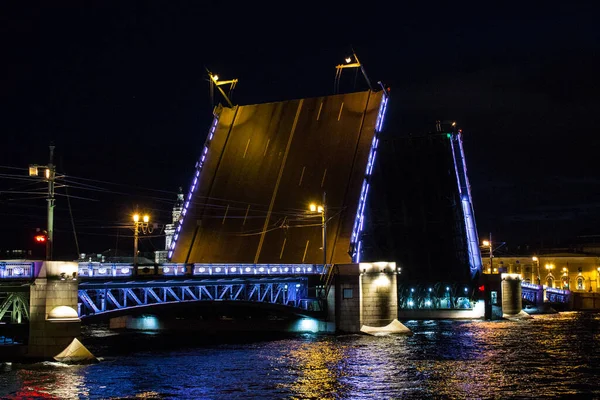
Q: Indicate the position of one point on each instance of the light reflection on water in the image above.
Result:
(550, 356)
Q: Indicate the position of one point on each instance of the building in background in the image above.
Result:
(572, 271)
(160, 256)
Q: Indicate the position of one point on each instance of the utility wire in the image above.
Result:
(72, 220)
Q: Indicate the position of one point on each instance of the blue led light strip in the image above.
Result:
(194, 185)
(355, 242)
(464, 191)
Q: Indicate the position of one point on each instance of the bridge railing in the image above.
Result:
(104, 270)
(555, 295)
(114, 270)
(16, 270)
(257, 269)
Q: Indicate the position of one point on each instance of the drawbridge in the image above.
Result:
(262, 166)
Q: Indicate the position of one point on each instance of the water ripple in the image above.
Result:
(546, 357)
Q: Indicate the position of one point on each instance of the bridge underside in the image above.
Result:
(261, 167)
(418, 213)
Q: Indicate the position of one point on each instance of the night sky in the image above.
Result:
(121, 89)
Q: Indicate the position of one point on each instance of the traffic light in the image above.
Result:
(40, 238)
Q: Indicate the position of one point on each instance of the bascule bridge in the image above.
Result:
(301, 206)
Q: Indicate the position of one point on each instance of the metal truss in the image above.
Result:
(434, 296)
(96, 298)
(14, 307)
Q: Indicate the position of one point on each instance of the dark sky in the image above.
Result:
(121, 88)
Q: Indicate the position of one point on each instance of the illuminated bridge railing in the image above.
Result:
(105, 270)
(16, 270)
(529, 291)
(257, 269)
(557, 295)
(119, 270)
(97, 298)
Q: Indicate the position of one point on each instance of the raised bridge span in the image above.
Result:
(261, 167)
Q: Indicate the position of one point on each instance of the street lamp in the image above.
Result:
(49, 176)
(322, 209)
(537, 262)
(565, 277)
(137, 226)
(488, 243)
(549, 268)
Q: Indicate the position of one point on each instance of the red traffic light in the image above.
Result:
(481, 288)
(40, 238)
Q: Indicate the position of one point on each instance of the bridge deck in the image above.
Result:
(261, 167)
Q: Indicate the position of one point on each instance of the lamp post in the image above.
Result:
(597, 279)
(50, 175)
(322, 209)
(549, 268)
(488, 243)
(137, 226)
(537, 262)
(565, 277)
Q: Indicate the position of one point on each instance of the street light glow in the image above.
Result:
(486, 243)
(534, 258)
(136, 217)
(348, 59)
(320, 209)
(146, 218)
(312, 207)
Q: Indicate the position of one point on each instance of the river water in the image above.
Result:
(550, 356)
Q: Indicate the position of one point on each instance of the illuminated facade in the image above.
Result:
(575, 272)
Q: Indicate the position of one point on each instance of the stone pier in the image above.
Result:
(363, 294)
(54, 322)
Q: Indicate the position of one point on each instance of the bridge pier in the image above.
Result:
(53, 320)
(363, 294)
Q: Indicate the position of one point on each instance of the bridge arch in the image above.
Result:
(111, 297)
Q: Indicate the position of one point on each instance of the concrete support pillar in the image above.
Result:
(379, 295)
(363, 294)
(512, 300)
(53, 322)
